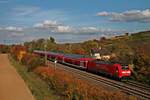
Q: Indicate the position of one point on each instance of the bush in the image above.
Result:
(16, 51)
(4, 49)
(32, 61)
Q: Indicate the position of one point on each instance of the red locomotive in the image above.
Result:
(89, 64)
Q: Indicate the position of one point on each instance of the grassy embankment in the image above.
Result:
(38, 87)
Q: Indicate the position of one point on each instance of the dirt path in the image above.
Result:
(12, 86)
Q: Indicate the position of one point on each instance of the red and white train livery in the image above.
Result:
(89, 64)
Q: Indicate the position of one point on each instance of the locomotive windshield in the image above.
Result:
(124, 67)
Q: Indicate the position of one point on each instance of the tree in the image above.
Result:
(52, 40)
(126, 34)
(102, 38)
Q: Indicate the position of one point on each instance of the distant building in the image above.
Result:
(100, 53)
(125, 36)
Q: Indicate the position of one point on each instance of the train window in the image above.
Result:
(99, 62)
(102, 62)
(74, 56)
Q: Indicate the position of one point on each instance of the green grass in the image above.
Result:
(141, 36)
(37, 86)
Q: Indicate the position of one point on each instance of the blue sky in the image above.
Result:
(71, 20)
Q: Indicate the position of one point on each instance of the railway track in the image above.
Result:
(139, 85)
(131, 88)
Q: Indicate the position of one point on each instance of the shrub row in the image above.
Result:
(32, 61)
(72, 88)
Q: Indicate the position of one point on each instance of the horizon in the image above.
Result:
(22, 43)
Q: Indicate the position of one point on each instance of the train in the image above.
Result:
(115, 70)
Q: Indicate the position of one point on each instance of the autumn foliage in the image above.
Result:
(32, 61)
(72, 88)
(16, 51)
(80, 51)
(20, 53)
(4, 48)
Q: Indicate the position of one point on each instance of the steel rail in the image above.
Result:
(139, 85)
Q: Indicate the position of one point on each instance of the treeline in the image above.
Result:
(77, 48)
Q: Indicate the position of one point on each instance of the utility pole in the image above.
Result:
(45, 47)
(55, 62)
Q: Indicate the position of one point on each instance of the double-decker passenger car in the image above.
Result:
(89, 64)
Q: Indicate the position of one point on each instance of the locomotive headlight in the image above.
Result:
(124, 72)
(128, 72)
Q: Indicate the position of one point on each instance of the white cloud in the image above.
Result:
(104, 13)
(50, 22)
(54, 25)
(38, 25)
(88, 29)
(63, 29)
(57, 27)
(13, 29)
(128, 16)
(97, 30)
(47, 24)
(11, 34)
